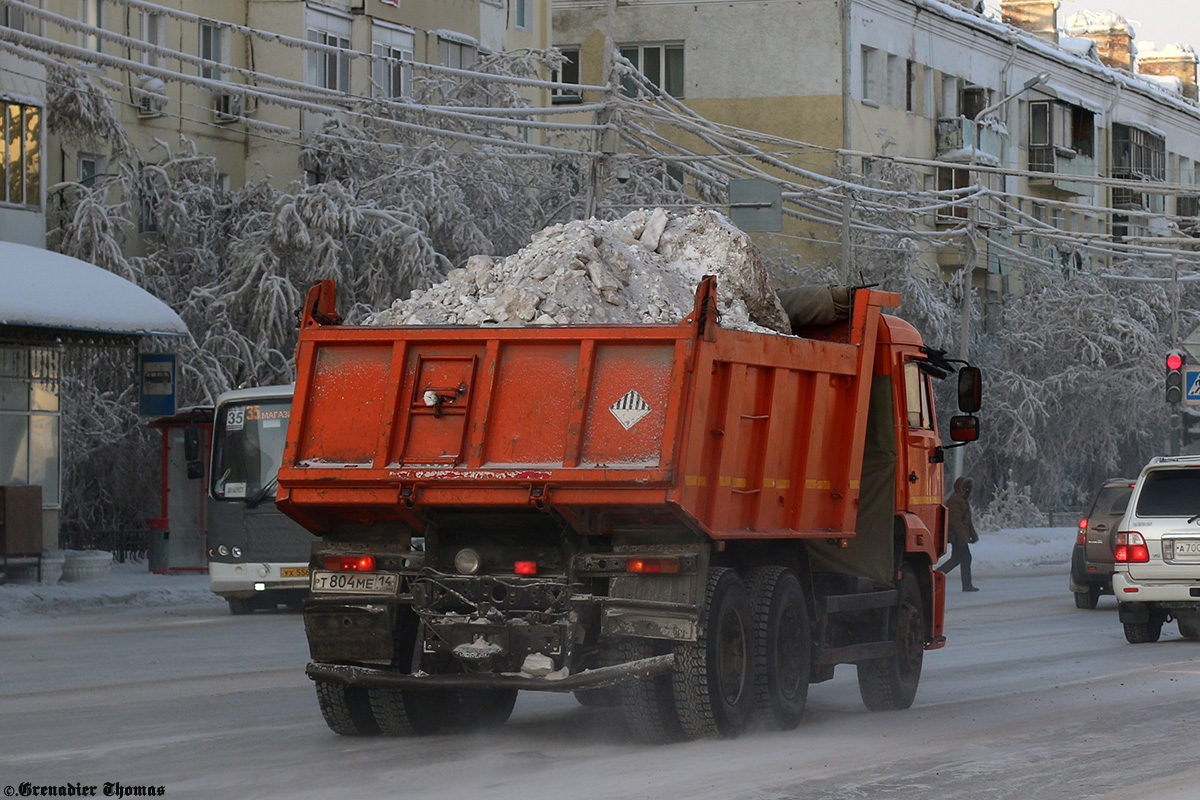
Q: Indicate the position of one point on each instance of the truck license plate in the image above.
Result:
(355, 582)
(1186, 549)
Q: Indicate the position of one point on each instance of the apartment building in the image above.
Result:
(227, 48)
(1061, 105)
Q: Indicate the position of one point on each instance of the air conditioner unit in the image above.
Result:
(228, 107)
(149, 107)
(150, 98)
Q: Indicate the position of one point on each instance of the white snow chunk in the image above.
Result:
(643, 268)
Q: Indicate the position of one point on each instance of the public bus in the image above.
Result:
(257, 557)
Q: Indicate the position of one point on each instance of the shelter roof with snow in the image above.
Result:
(49, 294)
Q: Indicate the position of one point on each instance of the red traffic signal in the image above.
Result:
(1175, 361)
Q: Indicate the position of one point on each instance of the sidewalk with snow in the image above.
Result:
(1000, 554)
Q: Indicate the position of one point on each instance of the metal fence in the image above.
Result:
(125, 544)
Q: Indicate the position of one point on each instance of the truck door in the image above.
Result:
(921, 477)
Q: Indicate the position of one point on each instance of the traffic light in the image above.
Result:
(1176, 359)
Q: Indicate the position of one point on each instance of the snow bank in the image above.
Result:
(127, 586)
(1021, 552)
(642, 268)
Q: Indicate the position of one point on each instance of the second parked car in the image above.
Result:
(1092, 556)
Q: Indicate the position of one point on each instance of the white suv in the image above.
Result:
(1156, 570)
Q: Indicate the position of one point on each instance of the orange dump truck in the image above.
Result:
(689, 522)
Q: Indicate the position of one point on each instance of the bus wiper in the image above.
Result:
(261, 494)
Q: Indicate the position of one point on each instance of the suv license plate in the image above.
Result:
(355, 582)
(1184, 549)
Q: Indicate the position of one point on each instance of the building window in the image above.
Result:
(325, 69)
(523, 14)
(152, 34)
(29, 419)
(93, 15)
(1137, 155)
(391, 67)
(661, 64)
(212, 48)
(12, 18)
(974, 99)
(89, 168)
(20, 158)
(568, 72)
(910, 87)
(869, 58)
(1058, 129)
(950, 179)
(456, 54)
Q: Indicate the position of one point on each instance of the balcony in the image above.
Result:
(956, 141)
(1063, 163)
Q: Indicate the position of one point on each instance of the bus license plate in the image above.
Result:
(356, 582)
(293, 572)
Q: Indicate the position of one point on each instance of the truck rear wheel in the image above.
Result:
(713, 676)
(890, 683)
(782, 644)
(401, 712)
(346, 709)
(648, 704)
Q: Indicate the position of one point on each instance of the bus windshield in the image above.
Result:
(248, 441)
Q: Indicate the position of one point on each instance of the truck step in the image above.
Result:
(853, 653)
(838, 603)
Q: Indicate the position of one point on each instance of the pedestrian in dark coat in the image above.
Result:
(962, 531)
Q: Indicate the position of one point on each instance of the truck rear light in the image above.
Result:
(664, 564)
(525, 568)
(349, 563)
(468, 561)
(1131, 549)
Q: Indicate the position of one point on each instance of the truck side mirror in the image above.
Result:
(964, 428)
(970, 390)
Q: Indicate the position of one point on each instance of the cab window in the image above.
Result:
(916, 397)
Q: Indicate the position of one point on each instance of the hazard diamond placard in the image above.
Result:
(630, 409)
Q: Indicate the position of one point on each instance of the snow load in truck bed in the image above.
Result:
(642, 268)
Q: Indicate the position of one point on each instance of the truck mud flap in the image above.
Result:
(372, 678)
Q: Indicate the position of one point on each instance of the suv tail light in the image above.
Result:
(1131, 549)
(1081, 537)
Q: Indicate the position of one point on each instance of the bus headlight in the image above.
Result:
(237, 552)
(223, 550)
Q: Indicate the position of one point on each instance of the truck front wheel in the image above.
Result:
(783, 649)
(713, 676)
(346, 709)
(890, 683)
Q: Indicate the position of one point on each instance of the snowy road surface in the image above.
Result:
(1032, 698)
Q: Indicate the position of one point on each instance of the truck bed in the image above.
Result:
(730, 433)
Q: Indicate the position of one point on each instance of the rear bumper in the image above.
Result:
(373, 678)
(1128, 590)
(242, 580)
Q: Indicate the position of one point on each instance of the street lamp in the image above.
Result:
(972, 228)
